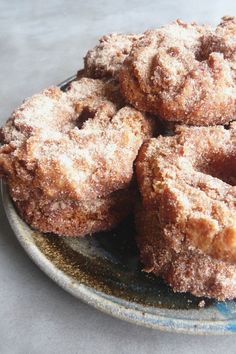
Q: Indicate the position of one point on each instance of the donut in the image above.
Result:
(184, 73)
(68, 157)
(74, 218)
(186, 220)
(183, 268)
(107, 57)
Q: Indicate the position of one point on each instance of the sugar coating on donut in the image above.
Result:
(47, 112)
(76, 144)
(68, 217)
(107, 57)
(188, 188)
(190, 178)
(184, 73)
(182, 266)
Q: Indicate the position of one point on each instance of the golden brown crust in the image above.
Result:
(75, 218)
(184, 73)
(77, 143)
(188, 211)
(76, 146)
(183, 267)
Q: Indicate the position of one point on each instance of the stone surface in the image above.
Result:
(42, 43)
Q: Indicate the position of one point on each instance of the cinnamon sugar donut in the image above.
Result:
(70, 217)
(184, 73)
(107, 57)
(187, 219)
(68, 156)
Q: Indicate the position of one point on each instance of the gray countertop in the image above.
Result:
(42, 43)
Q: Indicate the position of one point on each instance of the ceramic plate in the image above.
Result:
(103, 270)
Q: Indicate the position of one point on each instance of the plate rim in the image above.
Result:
(99, 299)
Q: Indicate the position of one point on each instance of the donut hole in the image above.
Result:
(201, 55)
(213, 45)
(86, 114)
(221, 166)
(204, 53)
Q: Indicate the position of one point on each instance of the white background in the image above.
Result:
(41, 43)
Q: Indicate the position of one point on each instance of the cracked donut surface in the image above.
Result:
(186, 220)
(106, 59)
(184, 73)
(71, 154)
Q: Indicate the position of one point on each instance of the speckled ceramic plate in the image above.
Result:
(104, 271)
